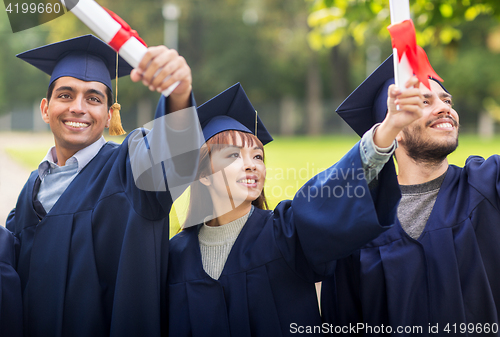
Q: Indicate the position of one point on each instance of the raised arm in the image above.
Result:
(165, 158)
(336, 213)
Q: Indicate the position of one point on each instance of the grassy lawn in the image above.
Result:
(291, 162)
(28, 157)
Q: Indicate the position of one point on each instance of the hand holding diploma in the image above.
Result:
(403, 108)
(162, 68)
(118, 34)
(409, 58)
(411, 67)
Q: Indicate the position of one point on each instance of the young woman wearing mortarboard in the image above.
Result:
(238, 269)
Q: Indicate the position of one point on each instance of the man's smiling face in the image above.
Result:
(435, 135)
(77, 112)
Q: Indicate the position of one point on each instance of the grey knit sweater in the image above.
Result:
(417, 202)
(216, 243)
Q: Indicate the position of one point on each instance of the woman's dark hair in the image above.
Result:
(200, 201)
(109, 94)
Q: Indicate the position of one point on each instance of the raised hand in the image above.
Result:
(159, 69)
(403, 108)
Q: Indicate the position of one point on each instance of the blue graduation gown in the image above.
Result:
(267, 284)
(450, 275)
(96, 264)
(11, 307)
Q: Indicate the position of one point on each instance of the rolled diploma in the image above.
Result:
(102, 24)
(400, 11)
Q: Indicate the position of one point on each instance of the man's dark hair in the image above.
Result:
(109, 93)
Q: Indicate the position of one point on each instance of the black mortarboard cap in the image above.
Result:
(86, 58)
(367, 105)
(231, 110)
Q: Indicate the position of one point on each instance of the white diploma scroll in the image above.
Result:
(104, 26)
(400, 11)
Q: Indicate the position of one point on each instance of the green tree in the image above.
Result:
(27, 85)
(461, 36)
(436, 21)
(260, 43)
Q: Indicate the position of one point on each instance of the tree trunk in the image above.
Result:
(38, 123)
(144, 112)
(6, 122)
(314, 98)
(288, 116)
(340, 74)
(486, 126)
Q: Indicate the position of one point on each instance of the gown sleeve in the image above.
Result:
(10, 287)
(334, 214)
(484, 176)
(165, 158)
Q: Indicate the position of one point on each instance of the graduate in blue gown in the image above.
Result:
(92, 221)
(436, 272)
(238, 269)
(11, 309)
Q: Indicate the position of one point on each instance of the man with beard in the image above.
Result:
(436, 271)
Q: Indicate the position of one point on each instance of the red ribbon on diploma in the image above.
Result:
(405, 41)
(123, 34)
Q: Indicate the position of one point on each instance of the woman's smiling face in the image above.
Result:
(238, 173)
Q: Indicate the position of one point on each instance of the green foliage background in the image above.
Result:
(272, 46)
(461, 37)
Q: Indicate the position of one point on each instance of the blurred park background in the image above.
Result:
(296, 59)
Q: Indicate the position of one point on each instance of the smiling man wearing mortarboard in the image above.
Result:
(93, 245)
(437, 268)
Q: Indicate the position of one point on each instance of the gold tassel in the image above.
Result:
(115, 126)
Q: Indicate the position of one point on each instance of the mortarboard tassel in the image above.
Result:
(115, 126)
